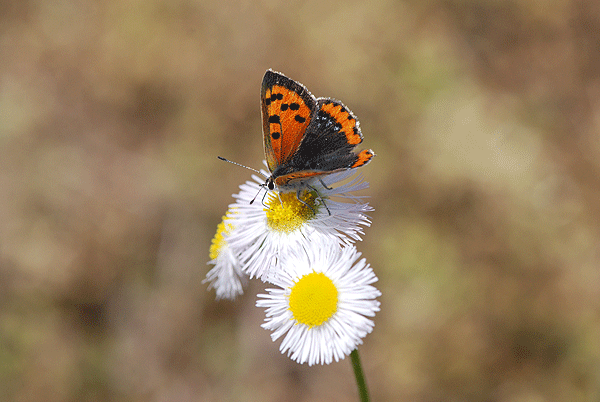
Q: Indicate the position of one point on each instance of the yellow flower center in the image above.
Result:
(290, 213)
(313, 299)
(218, 242)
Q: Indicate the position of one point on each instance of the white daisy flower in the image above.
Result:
(322, 305)
(226, 277)
(280, 222)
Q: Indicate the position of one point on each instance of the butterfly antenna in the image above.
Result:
(247, 167)
(239, 164)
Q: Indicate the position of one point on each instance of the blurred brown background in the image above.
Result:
(485, 117)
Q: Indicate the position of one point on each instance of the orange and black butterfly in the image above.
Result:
(306, 137)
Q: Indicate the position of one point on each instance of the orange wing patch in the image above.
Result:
(303, 174)
(346, 120)
(286, 121)
(364, 157)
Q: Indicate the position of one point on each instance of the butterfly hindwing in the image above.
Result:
(287, 109)
(330, 139)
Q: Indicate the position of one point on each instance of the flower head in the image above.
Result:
(282, 222)
(322, 304)
(226, 277)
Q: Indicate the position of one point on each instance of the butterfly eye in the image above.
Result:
(271, 185)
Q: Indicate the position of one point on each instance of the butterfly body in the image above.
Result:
(306, 137)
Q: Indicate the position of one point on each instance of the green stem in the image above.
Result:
(360, 376)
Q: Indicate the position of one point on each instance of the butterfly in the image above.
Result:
(306, 137)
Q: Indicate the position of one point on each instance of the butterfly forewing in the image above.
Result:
(342, 118)
(287, 109)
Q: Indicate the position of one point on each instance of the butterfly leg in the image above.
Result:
(278, 196)
(318, 194)
(325, 185)
(263, 199)
(264, 195)
(298, 192)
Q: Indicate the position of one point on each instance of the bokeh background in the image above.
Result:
(485, 117)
